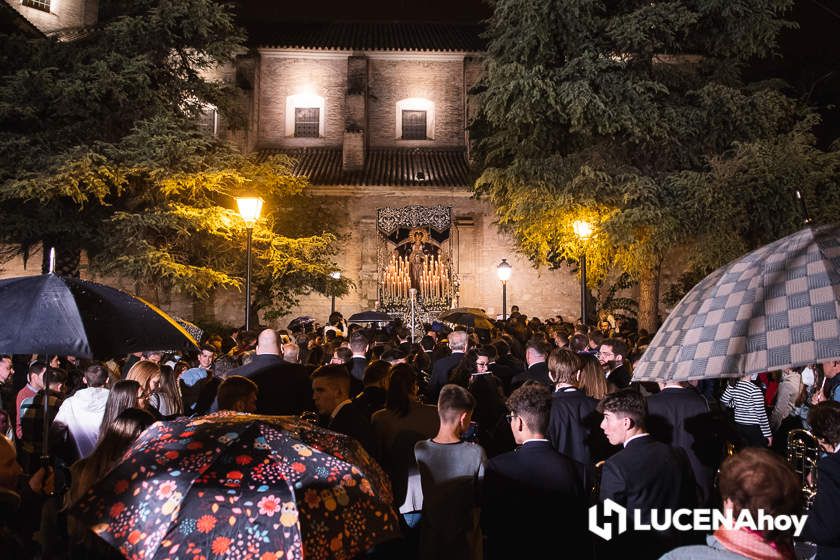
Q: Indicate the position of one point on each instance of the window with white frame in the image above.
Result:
(305, 116)
(415, 119)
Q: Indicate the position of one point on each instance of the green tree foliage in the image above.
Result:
(103, 151)
(633, 115)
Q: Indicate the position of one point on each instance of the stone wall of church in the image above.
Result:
(438, 81)
(64, 15)
(284, 76)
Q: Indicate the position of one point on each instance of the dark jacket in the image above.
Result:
(573, 427)
(351, 421)
(680, 417)
(358, 367)
(440, 374)
(520, 514)
(821, 527)
(645, 475)
(284, 388)
(371, 399)
(620, 376)
(536, 372)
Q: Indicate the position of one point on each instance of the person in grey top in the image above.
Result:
(451, 472)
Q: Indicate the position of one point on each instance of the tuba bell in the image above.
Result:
(803, 452)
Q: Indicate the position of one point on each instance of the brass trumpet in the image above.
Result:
(803, 452)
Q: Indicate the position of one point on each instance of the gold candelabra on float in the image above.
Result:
(432, 280)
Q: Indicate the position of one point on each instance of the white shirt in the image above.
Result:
(628, 440)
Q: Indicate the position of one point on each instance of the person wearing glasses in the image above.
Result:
(522, 488)
(611, 354)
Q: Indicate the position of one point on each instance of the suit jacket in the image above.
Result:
(620, 376)
(371, 399)
(505, 373)
(680, 417)
(573, 427)
(520, 513)
(440, 374)
(537, 372)
(352, 421)
(358, 367)
(822, 527)
(284, 387)
(648, 474)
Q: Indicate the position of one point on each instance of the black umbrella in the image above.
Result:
(370, 317)
(468, 316)
(300, 322)
(50, 314)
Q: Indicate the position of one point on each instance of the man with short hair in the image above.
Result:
(291, 353)
(238, 394)
(821, 526)
(201, 372)
(6, 372)
(531, 481)
(611, 354)
(444, 366)
(645, 475)
(394, 356)
(82, 412)
(34, 383)
(451, 472)
(331, 393)
(284, 387)
(359, 346)
(536, 353)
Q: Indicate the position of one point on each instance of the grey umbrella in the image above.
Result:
(773, 308)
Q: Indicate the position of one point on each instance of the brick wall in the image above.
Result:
(63, 14)
(281, 77)
(439, 81)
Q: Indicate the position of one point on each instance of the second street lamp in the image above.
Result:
(335, 276)
(250, 209)
(503, 271)
(583, 230)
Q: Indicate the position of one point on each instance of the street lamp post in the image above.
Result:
(503, 271)
(250, 209)
(336, 275)
(583, 230)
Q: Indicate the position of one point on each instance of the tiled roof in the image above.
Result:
(390, 36)
(383, 166)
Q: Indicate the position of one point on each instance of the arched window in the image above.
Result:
(415, 119)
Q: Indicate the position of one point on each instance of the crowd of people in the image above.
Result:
(495, 442)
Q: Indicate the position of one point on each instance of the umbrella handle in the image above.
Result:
(45, 441)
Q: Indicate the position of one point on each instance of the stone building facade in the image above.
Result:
(391, 104)
(376, 115)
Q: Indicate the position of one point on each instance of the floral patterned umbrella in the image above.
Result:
(241, 486)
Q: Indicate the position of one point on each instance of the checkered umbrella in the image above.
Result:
(776, 307)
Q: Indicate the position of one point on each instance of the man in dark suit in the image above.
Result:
(359, 345)
(821, 527)
(331, 392)
(680, 417)
(573, 421)
(284, 387)
(611, 354)
(523, 488)
(536, 353)
(443, 366)
(646, 474)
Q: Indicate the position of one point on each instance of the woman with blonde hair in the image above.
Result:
(592, 380)
(166, 399)
(147, 374)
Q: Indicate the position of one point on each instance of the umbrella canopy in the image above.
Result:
(194, 330)
(300, 322)
(370, 317)
(67, 316)
(240, 485)
(773, 308)
(469, 316)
